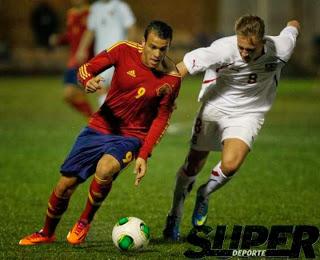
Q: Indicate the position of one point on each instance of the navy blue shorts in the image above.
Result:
(70, 76)
(91, 145)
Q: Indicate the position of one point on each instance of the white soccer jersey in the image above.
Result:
(110, 21)
(233, 86)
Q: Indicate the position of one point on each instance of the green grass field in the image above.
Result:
(278, 184)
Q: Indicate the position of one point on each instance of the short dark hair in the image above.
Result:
(250, 25)
(163, 30)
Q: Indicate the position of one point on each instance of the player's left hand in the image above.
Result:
(140, 170)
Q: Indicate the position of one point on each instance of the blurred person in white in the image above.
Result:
(76, 23)
(241, 77)
(109, 21)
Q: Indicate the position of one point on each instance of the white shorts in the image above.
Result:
(107, 75)
(212, 127)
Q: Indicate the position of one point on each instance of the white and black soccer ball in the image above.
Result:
(130, 233)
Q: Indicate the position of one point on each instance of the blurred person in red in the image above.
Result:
(74, 94)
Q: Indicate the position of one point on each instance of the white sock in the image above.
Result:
(217, 180)
(101, 99)
(183, 187)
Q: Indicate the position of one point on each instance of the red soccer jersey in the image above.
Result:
(76, 26)
(139, 102)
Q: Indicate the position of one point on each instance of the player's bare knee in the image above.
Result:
(107, 167)
(104, 172)
(67, 99)
(230, 167)
(64, 190)
(68, 95)
(66, 186)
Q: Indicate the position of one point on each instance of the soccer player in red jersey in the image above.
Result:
(131, 121)
(76, 26)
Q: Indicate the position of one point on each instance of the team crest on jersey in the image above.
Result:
(132, 73)
(164, 89)
(270, 66)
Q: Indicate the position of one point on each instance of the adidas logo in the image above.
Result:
(132, 73)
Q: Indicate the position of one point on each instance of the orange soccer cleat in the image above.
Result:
(36, 238)
(78, 233)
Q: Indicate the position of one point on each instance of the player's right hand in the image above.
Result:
(140, 170)
(94, 84)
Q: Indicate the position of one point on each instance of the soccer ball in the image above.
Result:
(130, 233)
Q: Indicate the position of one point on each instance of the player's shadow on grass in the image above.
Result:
(162, 241)
(103, 246)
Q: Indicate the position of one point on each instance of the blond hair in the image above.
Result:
(250, 25)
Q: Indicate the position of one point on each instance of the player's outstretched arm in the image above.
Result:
(140, 170)
(182, 69)
(94, 84)
(294, 23)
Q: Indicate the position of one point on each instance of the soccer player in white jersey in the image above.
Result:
(109, 21)
(241, 76)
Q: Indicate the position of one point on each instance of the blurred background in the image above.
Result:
(195, 23)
